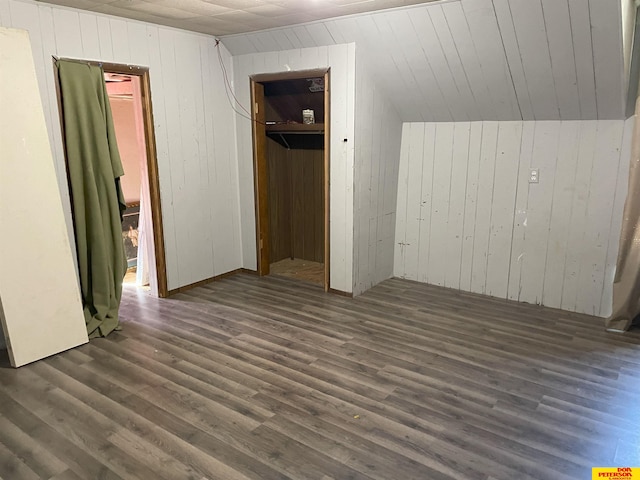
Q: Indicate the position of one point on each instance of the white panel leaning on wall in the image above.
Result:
(552, 243)
(41, 311)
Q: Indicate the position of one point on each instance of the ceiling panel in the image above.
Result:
(223, 17)
(158, 10)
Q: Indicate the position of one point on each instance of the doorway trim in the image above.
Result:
(261, 184)
(152, 160)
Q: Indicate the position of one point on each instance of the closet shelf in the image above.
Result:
(296, 128)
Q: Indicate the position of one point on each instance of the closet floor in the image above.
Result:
(299, 269)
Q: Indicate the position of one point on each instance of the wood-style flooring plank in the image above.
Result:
(67, 475)
(36, 457)
(79, 460)
(252, 378)
(12, 466)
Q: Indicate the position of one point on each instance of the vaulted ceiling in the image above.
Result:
(448, 60)
(480, 59)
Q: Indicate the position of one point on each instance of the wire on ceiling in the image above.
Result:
(229, 91)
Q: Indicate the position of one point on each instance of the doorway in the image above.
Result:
(126, 109)
(129, 92)
(291, 171)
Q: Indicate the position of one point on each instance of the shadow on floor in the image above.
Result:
(4, 359)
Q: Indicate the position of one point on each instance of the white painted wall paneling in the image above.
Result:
(442, 167)
(520, 210)
(502, 207)
(400, 235)
(599, 212)
(578, 222)
(193, 124)
(483, 26)
(540, 198)
(528, 21)
(470, 204)
(584, 60)
(628, 14)
(565, 176)
(608, 62)
(422, 211)
(5, 12)
(341, 60)
(457, 199)
(480, 59)
(377, 150)
(484, 201)
(561, 48)
(554, 242)
(622, 187)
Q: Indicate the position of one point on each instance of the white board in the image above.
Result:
(41, 310)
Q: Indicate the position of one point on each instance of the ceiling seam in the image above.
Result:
(466, 75)
(575, 61)
(506, 59)
(546, 34)
(593, 60)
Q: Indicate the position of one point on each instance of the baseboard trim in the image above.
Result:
(234, 272)
(205, 281)
(341, 293)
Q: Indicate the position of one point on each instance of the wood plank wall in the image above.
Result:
(279, 172)
(377, 153)
(469, 219)
(296, 199)
(307, 168)
(341, 60)
(193, 124)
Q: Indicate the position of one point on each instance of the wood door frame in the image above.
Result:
(152, 159)
(260, 175)
(261, 184)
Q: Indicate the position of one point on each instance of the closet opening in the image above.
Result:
(291, 171)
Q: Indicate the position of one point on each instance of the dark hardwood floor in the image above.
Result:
(266, 378)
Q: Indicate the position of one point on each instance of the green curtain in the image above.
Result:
(94, 168)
